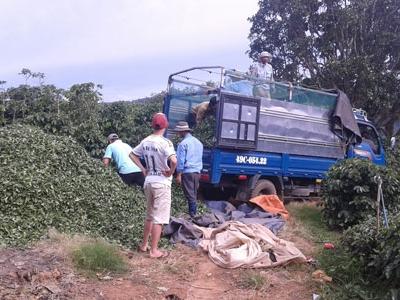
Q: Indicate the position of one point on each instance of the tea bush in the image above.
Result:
(350, 190)
(377, 251)
(361, 240)
(385, 260)
(51, 181)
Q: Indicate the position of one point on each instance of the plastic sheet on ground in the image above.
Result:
(181, 230)
(245, 213)
(235, 244)
(272, 204)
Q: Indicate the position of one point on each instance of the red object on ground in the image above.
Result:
(329, 246)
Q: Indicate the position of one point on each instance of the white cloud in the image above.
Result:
(51, 34)
(130, 46)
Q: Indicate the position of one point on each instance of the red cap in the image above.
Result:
(159, 121)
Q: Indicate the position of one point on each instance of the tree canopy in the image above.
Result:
(352, 45)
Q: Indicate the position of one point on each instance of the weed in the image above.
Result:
(98, 256)
(251, 280)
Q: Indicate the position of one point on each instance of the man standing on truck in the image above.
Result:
(190, 164)
(119, 152)
(157, 151)
(264, 71)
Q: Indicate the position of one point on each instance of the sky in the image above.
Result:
(128, 46)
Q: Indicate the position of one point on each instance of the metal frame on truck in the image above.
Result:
(280, 144)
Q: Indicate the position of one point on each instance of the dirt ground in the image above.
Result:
(46, 272)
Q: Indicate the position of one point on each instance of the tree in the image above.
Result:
(83, 111)
(347, 44)
(83, 100)
(3, 97)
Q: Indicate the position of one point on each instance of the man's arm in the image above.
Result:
(172, 166)
(106, 161)
(136, 160)
(173, 162)
(181, 157)
(107, 156)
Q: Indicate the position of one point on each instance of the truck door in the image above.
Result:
(238, 119)
(371, 145)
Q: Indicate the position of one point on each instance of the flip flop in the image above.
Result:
(163, 255)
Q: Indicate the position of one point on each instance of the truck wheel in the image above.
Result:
(263, 187)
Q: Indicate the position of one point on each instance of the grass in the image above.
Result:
(98, 257)
(311, 218)
(251, 280)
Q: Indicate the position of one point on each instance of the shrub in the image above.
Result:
(361, 240)
(349, 192)
(385, 260)
(378, 252)
(51, 181)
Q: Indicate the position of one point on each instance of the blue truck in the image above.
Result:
(282, 143)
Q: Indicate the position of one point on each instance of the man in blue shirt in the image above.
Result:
(119, 152)
(190, 163)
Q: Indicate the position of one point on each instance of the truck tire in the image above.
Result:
(263, 187)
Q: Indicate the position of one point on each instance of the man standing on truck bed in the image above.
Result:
(263, 70)
(157, 152)
(119, 152)
(190, 164)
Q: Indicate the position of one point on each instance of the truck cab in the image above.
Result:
(280, 142)
(371, 146)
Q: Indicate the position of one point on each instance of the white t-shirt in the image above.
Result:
(262, 71)
(156, 150)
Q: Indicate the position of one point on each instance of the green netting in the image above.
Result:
(303, 96)
(184, 95)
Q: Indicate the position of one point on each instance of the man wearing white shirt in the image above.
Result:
(264, 71)
(157, 151)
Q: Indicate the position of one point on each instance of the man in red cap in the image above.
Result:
(157, 151)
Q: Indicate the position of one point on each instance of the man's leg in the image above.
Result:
(125, 178)
(148, 228)
(140, 179)
(161, 215)
(148, 223)
(189, 189)
(155, 238)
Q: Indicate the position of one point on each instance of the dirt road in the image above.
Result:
(46, 272)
